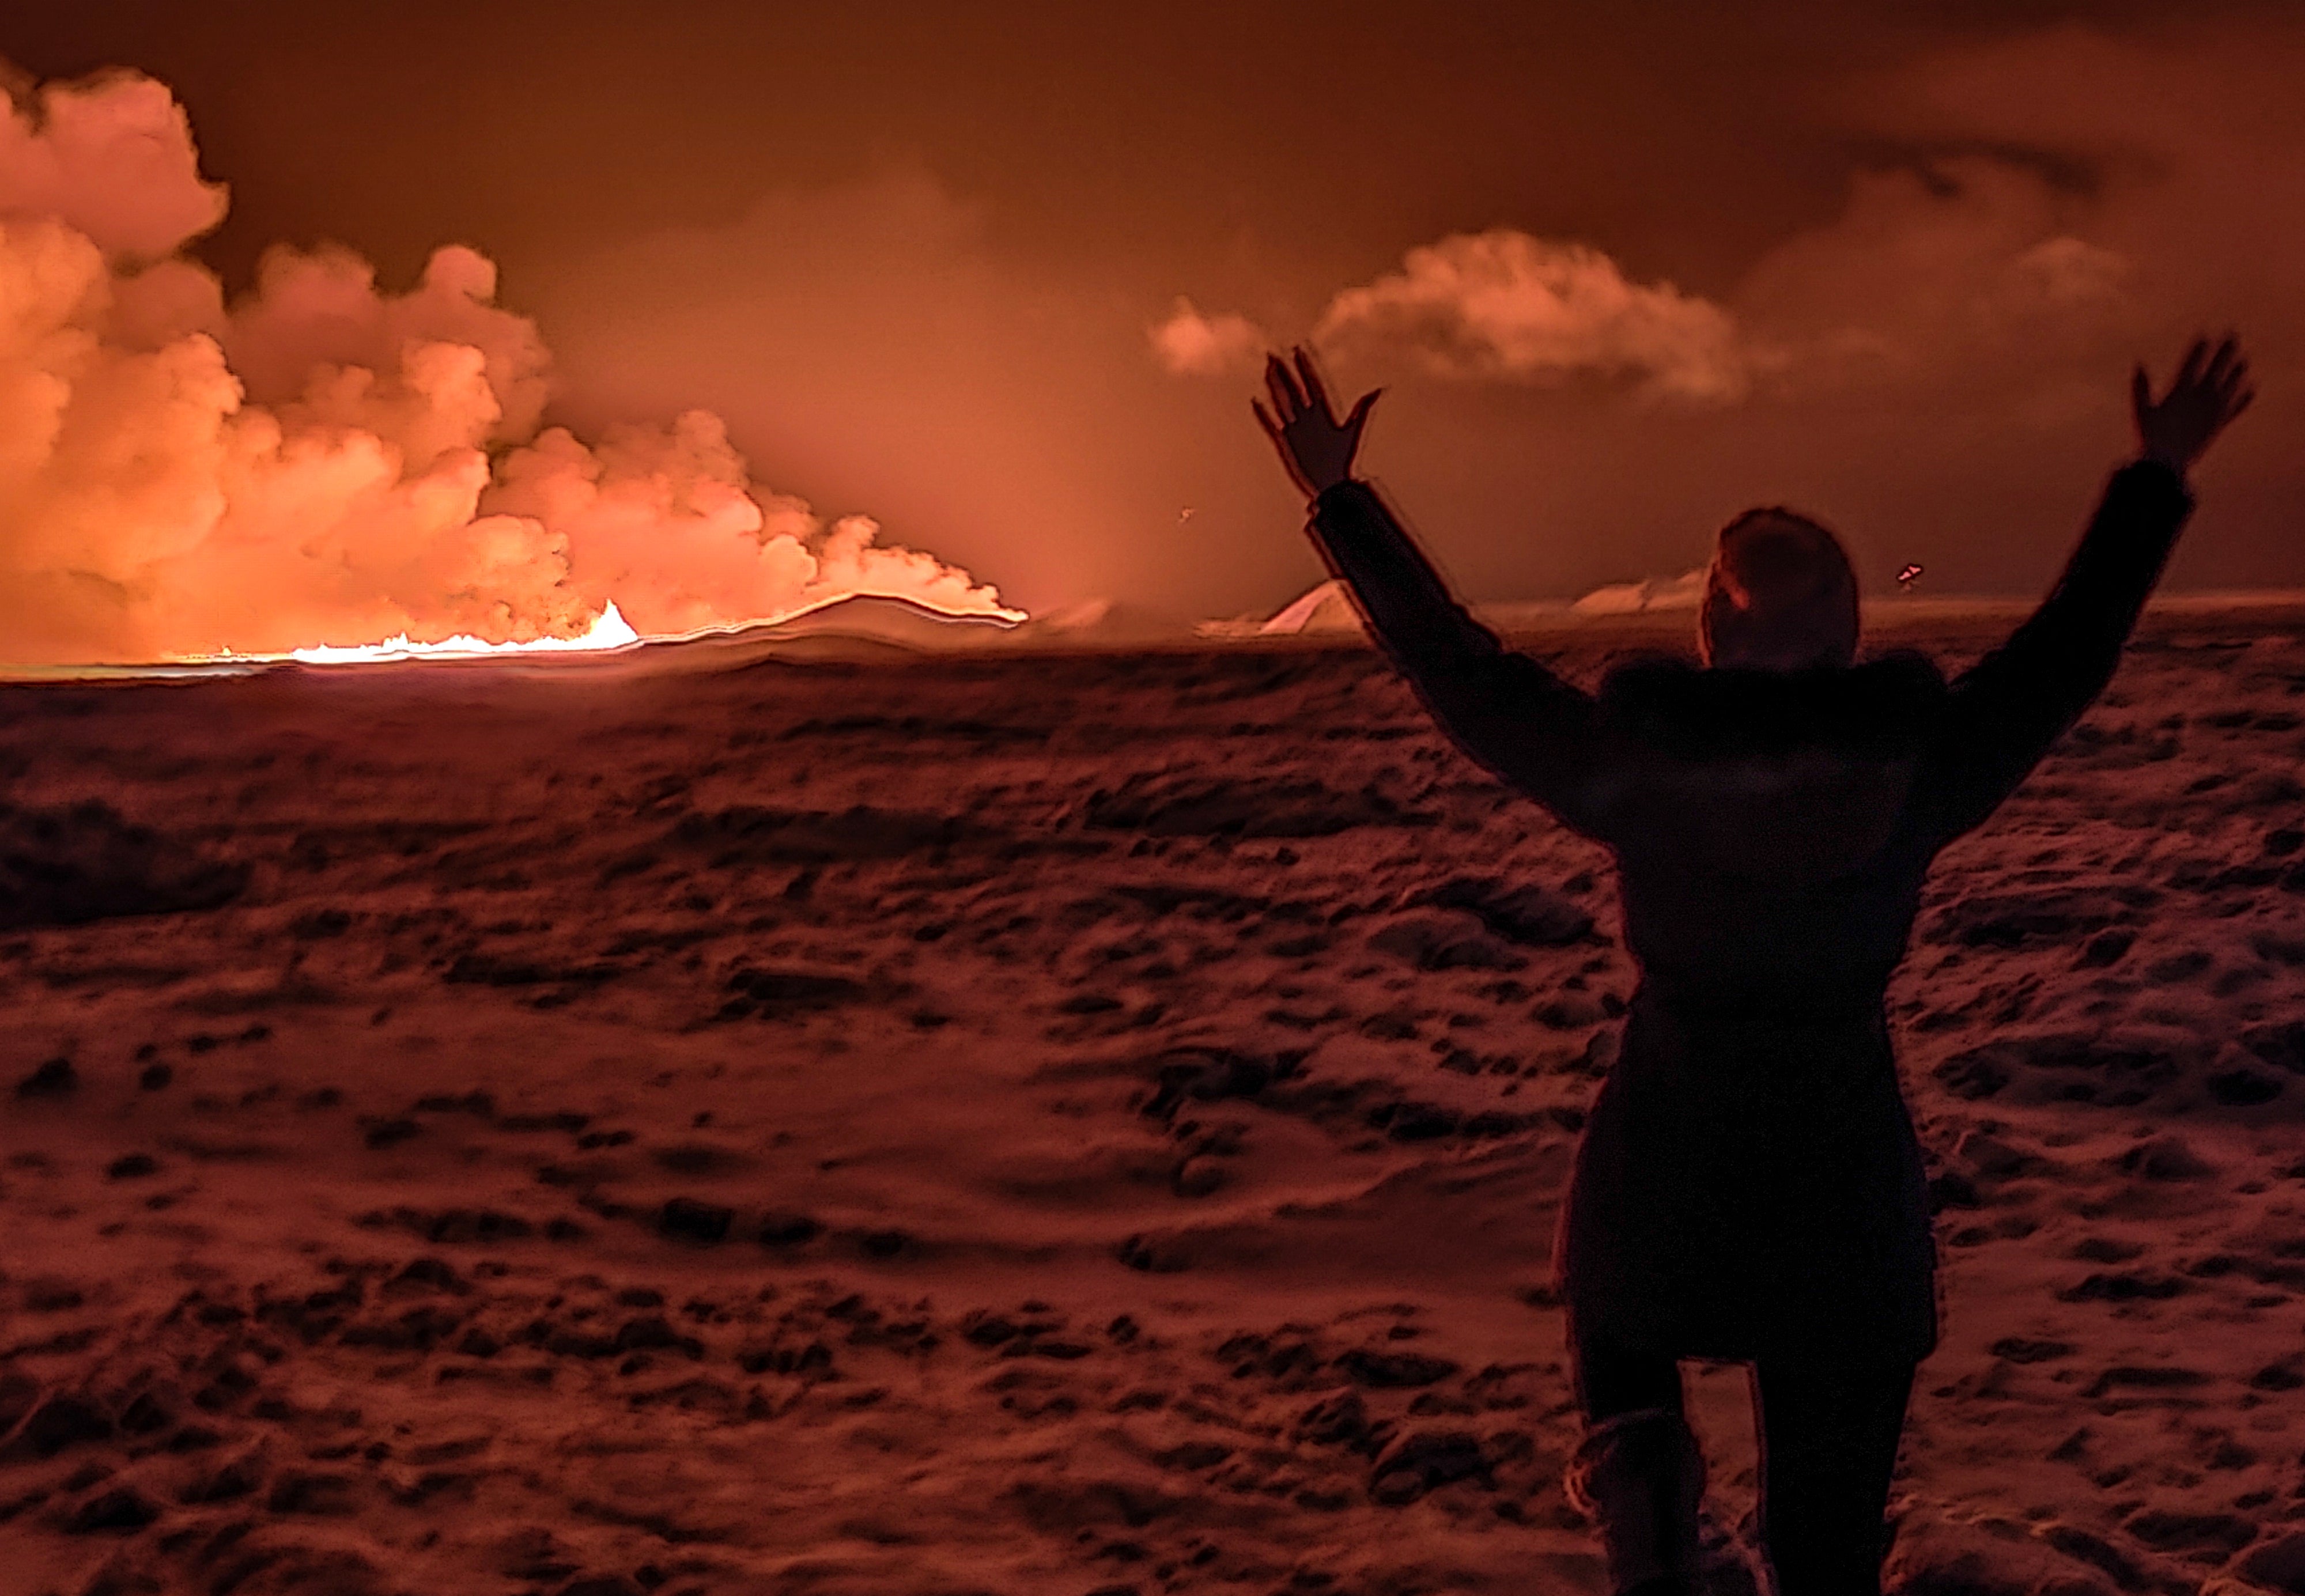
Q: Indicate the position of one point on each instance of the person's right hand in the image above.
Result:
(1316, 447)
(2209, 390)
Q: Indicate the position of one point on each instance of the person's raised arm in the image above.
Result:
(2007, 709)
(1505, 709)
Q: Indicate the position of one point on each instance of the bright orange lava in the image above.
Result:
(608, 630)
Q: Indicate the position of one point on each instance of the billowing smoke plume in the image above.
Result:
(319, 461)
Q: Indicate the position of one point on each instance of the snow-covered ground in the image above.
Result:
(1030, 1124)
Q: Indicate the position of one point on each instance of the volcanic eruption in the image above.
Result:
(319, 461)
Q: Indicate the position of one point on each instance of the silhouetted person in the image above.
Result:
(1749, 1186)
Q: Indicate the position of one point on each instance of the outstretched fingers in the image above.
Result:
(1316, 392)
(2190, 372)
(2228, 381)
(2221, 363)
(2236, 379)
(1288, 401)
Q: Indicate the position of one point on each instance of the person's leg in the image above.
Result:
(1829, 1435)
(1639, 1473)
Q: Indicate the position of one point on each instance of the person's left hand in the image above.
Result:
(1316, 447)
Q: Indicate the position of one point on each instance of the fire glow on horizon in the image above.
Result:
(609, 632)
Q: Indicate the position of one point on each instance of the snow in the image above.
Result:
(709, 1121)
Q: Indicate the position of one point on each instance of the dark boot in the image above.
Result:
(1640, 1478)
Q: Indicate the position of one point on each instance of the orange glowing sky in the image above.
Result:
(1624, 270)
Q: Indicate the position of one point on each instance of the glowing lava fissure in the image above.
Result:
(315, 465)
(609, 632)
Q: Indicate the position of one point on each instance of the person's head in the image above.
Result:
(1780, 596)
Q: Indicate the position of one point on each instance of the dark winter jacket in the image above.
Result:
(1749, 1182)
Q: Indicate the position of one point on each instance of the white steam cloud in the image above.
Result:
(1505, 305)
(1952, 267)
(1189, 344)
(319, 461)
